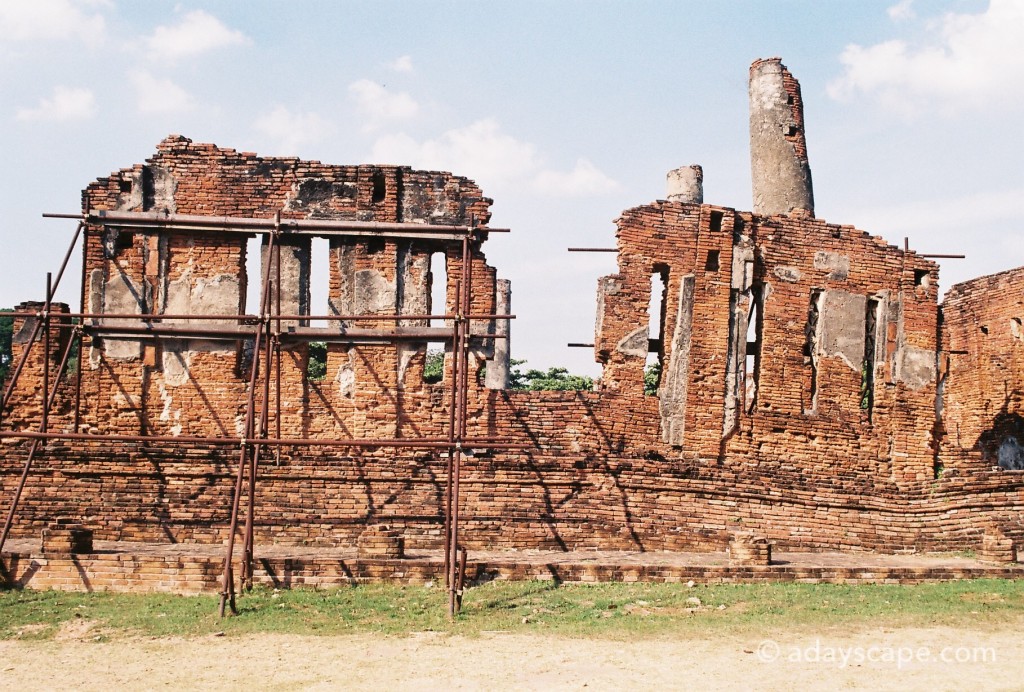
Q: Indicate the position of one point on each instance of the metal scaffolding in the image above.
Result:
(265, 330)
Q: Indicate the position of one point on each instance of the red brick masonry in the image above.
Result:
(814, 392)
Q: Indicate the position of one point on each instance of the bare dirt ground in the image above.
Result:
(933, 658)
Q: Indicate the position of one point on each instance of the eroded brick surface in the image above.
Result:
(813, 391)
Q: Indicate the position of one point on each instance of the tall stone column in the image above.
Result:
(497, 374)
(778, 150)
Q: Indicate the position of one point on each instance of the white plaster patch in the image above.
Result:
(405, 356)
(838, 266)
(168, 413)
(635, 343)
(346, 380)
(790, 274)
(176, 361)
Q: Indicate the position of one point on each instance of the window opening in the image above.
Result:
(921, 277)
(811, 335)
(716, 221)
(867, 377)
(437, 281)
(320, 281)
(253, 275)
(380, 187)
(433, 363)
(752, 365)
(656, 329)
(316, 365)
(713, 263)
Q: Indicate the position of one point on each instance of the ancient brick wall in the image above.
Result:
(811, 388)
(197, 387)
(983, 380)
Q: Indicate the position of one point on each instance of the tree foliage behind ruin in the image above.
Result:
(6, 331)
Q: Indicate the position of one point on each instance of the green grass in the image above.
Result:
(598, 610)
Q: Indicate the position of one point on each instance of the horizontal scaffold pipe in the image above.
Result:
(243, 332)
(249, 319)
(436, 443)
(248, 225)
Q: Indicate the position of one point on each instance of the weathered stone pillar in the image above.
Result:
(778, 150)
(675, 381)
(686, 185)
(294, 276)
(496, 376)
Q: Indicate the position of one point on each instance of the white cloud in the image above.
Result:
(583, 180)
(197, 32)
(67, 103)
(158, 95)
(985, 226)
(901, 11)
(379, 104)
(34, 20)
(964, 62)
(480, 151)
(401, 64)
(493, 158)
(291, 130)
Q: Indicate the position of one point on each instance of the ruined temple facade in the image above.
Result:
(812, 387)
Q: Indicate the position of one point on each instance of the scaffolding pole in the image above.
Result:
(266, 331)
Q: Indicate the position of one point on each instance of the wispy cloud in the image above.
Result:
(583, 180)
(198, 32)
(480, 150)
(378, 104)
(290, 130)
(155, 95)
(941, 224)
(37, 20)
(492, 157)
(66, 104)
(902, 10)
(963, 63)
(401, 64)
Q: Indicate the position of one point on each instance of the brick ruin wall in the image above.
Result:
(812, 389)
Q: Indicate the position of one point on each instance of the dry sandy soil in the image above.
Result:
(789, 660)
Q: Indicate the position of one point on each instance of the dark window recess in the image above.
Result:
(124, 185)
(791, 131)
(811, 335)
(716, 221)
(380, 187)
(867, 371)
(920, 277)
(712, 262)
(116, 241)
(124, 240)
(374, 245)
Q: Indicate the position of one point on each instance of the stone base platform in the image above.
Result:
(194, 568)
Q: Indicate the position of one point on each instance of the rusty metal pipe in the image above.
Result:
(427, 443)
(228, 586)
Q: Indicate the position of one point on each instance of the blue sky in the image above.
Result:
(566, 113)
